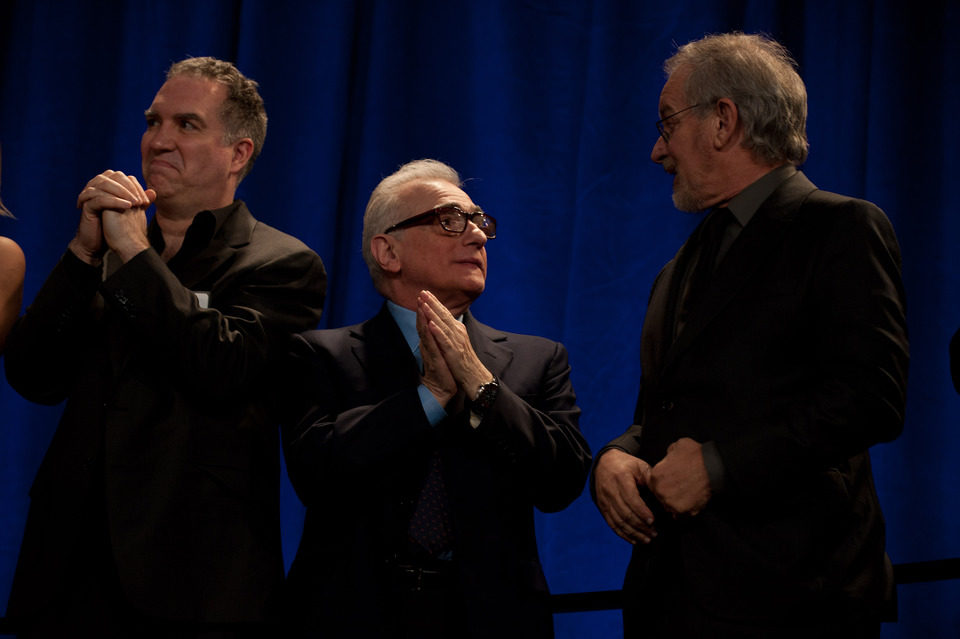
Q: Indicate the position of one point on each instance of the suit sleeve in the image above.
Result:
(214, 352)
(222, 349)
(337, 429)
(540, 437)
(54, 332)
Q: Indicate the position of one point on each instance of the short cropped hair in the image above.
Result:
(760, 76)
(384, 210)
(243, 114)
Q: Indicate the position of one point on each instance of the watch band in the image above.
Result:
(486, 394)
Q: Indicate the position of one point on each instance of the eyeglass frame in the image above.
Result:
(427, 217)
(659, 123)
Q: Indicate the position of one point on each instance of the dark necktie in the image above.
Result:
(711, 239)
(430, 526)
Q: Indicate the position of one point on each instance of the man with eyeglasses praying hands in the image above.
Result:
(774, 354)
(421, 440)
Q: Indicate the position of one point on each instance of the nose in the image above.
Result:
(158, 137)
(473, 235)
(659, 150)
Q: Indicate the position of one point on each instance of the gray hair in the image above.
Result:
(384, 208)
(243, 114)
(760, 76)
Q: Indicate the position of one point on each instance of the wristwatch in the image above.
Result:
(486, 393)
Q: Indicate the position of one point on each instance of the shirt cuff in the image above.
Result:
(431, 407)
(714, 465)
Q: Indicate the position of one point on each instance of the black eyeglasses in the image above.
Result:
(453, 219)
(659, 124)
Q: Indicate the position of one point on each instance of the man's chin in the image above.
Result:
(472, 290)
(475, 290)
(161, 187)
(683, 202)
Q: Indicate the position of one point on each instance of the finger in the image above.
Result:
(429, 349)
(629, 528)
(626, 512)
(423, 327)
(431, 315)
(453, 331)
(438, 310)
(104, 203)
(133, 185)
(421, 322)
(130, 186)
(105, 192)
(116, 183)
(115, 193)
(646, 473)
(442, 335)
(637, 514)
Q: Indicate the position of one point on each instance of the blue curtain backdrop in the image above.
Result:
(547, 107)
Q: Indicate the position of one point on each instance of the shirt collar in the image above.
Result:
(202, 229)
(407, 321)
(747, 202)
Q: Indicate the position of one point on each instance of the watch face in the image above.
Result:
(485, 396)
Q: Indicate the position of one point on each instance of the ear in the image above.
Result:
(726, 130)
(384, 252)
(242, 150)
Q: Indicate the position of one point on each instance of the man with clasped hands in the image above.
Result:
(774, 354)
(155, 512)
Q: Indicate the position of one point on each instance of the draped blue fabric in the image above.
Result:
(547, 108)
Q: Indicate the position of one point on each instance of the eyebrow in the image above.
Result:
(476, 207)
(191, 117)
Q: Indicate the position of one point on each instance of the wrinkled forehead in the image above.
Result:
(189, 94)
(673, 96)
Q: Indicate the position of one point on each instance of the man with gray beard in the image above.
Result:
(774, 354)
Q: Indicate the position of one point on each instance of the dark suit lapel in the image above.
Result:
(382, 352)
(489, 344)
(200, 271)
(233, 234)
(658, 325)
(759, 242)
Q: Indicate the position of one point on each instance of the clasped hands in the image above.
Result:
(113, 215)
(679, 482)
(450, 365)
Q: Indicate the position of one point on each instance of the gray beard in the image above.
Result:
(684, 200)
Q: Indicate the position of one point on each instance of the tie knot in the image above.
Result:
(720, 216)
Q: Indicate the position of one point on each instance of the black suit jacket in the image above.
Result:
(164, 452)
(357, 450)
(794, 365)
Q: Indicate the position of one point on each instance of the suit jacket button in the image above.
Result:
(666, 406)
